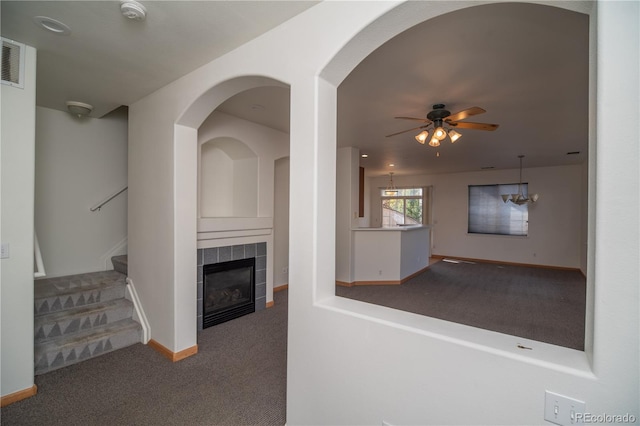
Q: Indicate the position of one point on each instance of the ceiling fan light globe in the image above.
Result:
(422, 137)
(506, 197)
(454, 135)
(434, 142)
(534, 198)
(439, 133)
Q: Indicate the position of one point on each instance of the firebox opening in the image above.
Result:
(228, 291)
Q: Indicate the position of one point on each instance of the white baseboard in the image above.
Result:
(138, 312)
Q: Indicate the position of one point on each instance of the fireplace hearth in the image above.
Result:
(228, 290)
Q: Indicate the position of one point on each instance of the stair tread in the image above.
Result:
(60, 286)
(121, 263)
(81, 316)
(123, 258)
(82, 310)
(87, 336)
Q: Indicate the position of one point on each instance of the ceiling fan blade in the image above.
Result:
(464, 114)
(408, 130)
(414, 118)
(476, 126)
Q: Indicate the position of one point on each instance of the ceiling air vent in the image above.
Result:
(13, 63)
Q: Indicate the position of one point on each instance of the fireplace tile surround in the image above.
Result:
(214, 255)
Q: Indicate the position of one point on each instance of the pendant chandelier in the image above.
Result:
(391, 188)
(520, 198)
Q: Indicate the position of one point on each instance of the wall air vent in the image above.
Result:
(13, 63)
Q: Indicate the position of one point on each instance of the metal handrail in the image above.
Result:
(99, 206)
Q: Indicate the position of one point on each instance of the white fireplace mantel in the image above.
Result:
(223, 231)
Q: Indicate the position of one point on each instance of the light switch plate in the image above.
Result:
(562, 410)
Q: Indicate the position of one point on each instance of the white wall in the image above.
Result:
(355, 363)
(556, 221)
(264, 143)
(215, 168)
(347, 177)
(584, 219)
(371, 364)
(18, 113)
(80, 163)
(281, 223)
(245, 178)
(228, 179)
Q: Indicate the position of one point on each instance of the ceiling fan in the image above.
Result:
(444, 124)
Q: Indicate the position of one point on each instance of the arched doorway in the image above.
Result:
(238, 143)
(488, 59)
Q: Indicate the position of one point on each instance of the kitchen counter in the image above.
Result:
(390, 255)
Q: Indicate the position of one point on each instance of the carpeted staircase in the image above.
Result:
(80, 317)
(121, 263)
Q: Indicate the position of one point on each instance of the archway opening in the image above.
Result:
(489, 62)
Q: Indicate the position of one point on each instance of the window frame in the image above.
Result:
(404, 198)
(503, 223)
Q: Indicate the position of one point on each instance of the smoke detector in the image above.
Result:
(79, 109)
(133, 10)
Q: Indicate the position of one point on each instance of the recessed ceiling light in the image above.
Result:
(52, 25)
(391, 165)
(365, 155)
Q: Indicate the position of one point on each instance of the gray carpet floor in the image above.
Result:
(545, 305)
(238, 377)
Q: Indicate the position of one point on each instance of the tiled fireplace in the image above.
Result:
(216, 255)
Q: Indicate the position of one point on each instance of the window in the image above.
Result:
(403, 207)
(488, 214)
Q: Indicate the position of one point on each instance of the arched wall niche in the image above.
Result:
(228, 179)
(202, 128)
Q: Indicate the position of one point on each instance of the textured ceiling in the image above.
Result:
(527, 65)
(109, 60)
